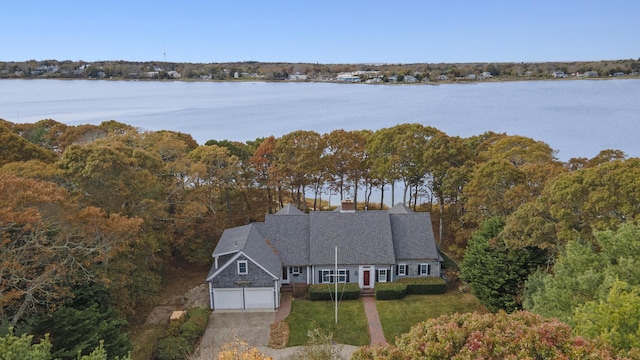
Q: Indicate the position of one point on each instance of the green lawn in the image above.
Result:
(398, 316)
(352, 327)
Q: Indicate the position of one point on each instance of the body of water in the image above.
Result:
(577, 118)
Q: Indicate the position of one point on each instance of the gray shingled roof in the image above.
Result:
(413, 236)
(232, 240)
(400, 208)
(289, 210)
(362, 237)
(289, 235)
(248, 239)
(292, 238)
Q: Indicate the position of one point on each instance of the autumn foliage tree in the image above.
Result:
(49, 243)
(520, 335)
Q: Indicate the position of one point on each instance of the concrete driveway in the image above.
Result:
(224, 327)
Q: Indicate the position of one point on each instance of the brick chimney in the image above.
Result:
(348, 206)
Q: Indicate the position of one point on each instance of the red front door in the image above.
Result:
(366, 281)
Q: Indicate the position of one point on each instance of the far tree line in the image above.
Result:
(103, 209)
(67, 69)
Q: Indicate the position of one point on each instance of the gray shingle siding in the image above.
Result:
(229, 277)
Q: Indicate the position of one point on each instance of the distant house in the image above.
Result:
(486, 74)
(174, 74)
(410, 79)
(619, 73)
(443, 77)
(591, 74)
(348, 78)
(558, 74)
(471, 76)
(298, 77)
(252, 262)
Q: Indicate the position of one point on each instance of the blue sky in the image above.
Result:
(327, 31)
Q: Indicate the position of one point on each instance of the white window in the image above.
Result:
(382, 275)
(242, 267)
(424, 269)
(342, 276)
(326, 276)
(402, 269)
(295, 270)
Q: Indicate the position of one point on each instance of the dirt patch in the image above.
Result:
(279, 335)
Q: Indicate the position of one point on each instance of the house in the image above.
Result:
(558, 74)
(252, 262)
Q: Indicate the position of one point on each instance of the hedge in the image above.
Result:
(181, 335)
(390, 290)
(349, 291)
(424, 285)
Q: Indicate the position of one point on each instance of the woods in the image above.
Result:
(105, 209)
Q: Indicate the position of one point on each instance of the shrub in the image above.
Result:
(195, 325)
(174, 348)
(323, 292)
(424, 285)
(181, 335)
(390, 291)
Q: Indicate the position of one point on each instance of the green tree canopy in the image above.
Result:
(496, 273)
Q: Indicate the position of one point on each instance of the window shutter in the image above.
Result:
(348, 275)
(319, 276)
(397, 266)
(428, 269)
(290, 270)
(377, 278)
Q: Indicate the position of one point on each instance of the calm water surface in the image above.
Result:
(577, 118)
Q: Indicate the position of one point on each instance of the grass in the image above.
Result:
(352, 327)
(398, 316)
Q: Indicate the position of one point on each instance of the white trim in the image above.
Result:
(246, 267)
(386, 275)
(372, 275)
(405, 269)
(428, 269)
(233, 260)
(210, 295)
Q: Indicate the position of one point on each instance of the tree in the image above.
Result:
(396, 154)
(82, 323)
(23, 347)
(614, 319)
(16, 148)
(298, 159)
(515, 172)
(585, 272)
(48, 242)
(495, 273)
(446, 160)
(262, 162)
(346, 159)
(576, 204)
(520, 335)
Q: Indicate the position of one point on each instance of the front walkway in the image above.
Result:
(375, 327)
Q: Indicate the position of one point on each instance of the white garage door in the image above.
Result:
(247, 298)
(259, 298)
(228, 299)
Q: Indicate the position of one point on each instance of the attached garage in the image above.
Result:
(244, 298)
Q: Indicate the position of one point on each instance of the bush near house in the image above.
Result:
(424, 285)
(417, 286)
(327, 292)
(390, 291)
